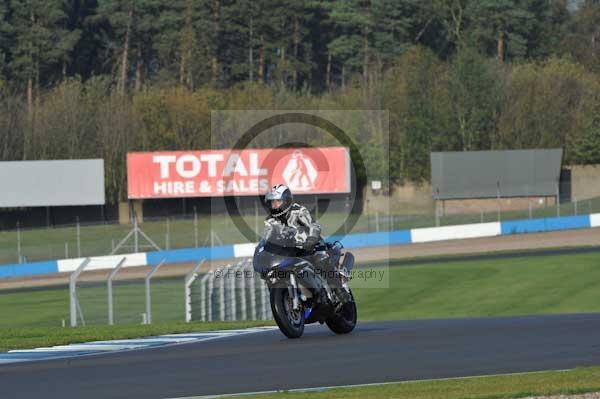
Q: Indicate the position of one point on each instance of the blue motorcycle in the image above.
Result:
(307, 287)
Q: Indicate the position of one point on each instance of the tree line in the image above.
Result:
(98, 78)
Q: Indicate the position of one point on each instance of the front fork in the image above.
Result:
(293, 291)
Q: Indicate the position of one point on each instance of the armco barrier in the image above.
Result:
(103, 262)
(459, 232)
(359, 240)
(595, 220)
(546, 224)
(28, 269)
(364, 240)
(190, 255)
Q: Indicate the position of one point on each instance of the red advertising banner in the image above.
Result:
(213, 173)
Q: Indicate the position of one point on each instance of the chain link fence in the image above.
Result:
(79, 240)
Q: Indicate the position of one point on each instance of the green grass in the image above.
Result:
(473, 288)
(22, 338)
(480, 288)
(58, 243)
(577, 381)
(49, 307)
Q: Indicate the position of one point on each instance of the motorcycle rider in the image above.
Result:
(294, 221)
(290, 217)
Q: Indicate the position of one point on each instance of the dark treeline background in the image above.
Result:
(98, 78)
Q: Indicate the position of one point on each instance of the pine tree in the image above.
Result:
(85, 58)
(582, 40)
(117, 16)
(507, 28)
(6, 41)
(353, 24)
(39, 25)
(393, 27)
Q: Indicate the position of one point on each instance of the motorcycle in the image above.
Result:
(307, 287)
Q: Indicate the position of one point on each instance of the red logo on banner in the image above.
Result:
(246, 172)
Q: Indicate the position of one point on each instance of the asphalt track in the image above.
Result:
(374, 352)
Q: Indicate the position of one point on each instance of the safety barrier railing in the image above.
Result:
(133, 290)
(230, 293)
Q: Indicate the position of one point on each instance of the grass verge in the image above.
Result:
(23, 338)
(483, 288)
(577, 381)
(471, 288)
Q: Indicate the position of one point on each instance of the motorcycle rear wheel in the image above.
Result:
(289, 321)
(344, 321)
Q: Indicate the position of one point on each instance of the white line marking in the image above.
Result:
(316, 389)
(188, 335)
(79, 348)
(146, 341)
(95, 348)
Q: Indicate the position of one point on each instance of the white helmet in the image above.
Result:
(279, 192)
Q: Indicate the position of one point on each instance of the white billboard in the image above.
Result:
(51, 183)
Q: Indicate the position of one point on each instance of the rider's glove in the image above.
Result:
(310, 243)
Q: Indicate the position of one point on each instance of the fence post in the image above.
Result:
(78, 238)
(111, 276)
(243, 303)
(575, 204)
(195, 227)
(74, 306)
(232, 296)
(204, 296)
(558, 197)
(210, 289)
(19, 255)
(222, 294)
(168, 236)
(189, 280)
(136, 239)
(148, 297)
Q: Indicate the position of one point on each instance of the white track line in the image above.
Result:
(317, 389)
(119, 345)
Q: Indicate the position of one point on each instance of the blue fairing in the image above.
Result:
(287, 263)
(307, 313)
(267, 257)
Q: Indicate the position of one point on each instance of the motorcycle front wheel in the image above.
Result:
(289, 321)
